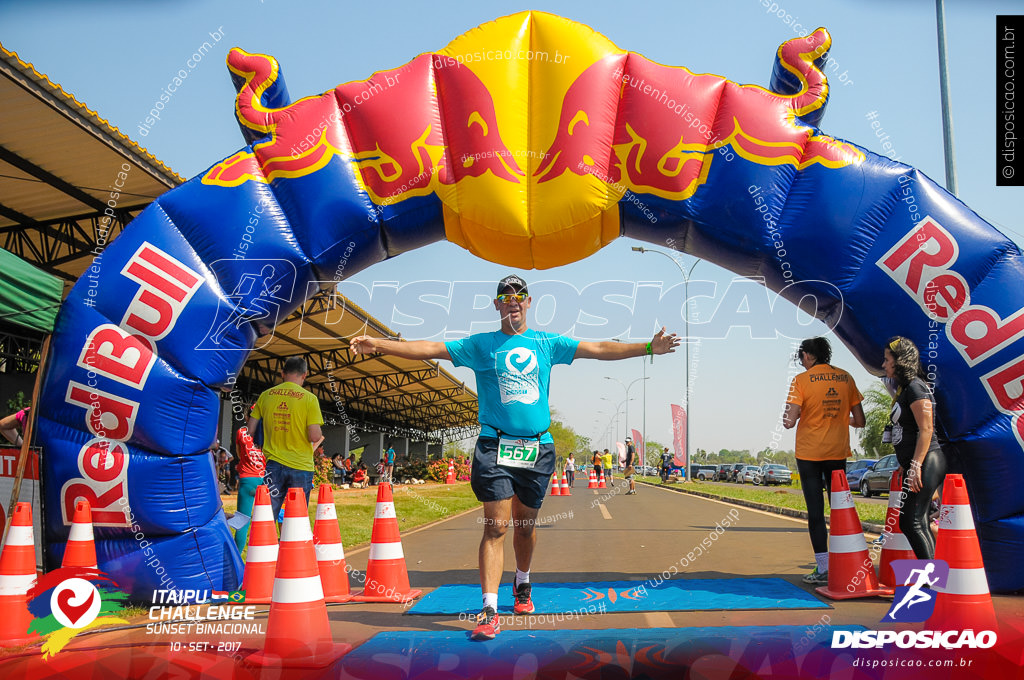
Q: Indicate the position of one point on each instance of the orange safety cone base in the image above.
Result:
(14, 622)
(336, 599)
(399, 598)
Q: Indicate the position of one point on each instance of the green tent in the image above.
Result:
(29, 297)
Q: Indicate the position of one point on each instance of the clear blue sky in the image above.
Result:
(118, 56)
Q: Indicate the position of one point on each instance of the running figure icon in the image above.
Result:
(914, 594)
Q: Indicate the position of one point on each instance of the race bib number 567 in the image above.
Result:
(520, 453)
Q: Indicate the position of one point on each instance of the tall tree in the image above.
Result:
(877, 404)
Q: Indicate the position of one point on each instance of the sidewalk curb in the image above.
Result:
(868, 527)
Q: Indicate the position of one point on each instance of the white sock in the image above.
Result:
(491, 600)
(522, 577)
(822, 560)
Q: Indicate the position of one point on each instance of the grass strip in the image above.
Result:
(414, 506)
(873, 513)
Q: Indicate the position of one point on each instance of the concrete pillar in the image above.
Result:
(401, 445)
(417, 450)
(335, 439)
(374, 443)
(225, 428)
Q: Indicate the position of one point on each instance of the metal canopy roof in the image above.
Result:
(59, 162)
(401, 396)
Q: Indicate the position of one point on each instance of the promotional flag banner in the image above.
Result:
(679, 434)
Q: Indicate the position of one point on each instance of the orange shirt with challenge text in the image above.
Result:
(825, 395)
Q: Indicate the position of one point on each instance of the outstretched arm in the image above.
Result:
(611, 351)
(416, 349)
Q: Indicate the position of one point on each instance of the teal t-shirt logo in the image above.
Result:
(518, 375)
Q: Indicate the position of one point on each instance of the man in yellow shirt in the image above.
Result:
(606, 463)
(291, 424)
(826, 402)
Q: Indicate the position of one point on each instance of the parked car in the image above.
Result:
(748, 474)
(855, 470)
(702, 472)
(722, 472)
(878, 478)
(734, 473)
(773, 473)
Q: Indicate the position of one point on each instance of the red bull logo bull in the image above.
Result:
(670, 124)
(400, 143)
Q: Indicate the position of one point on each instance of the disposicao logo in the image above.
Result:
(915, 599)
(914, 602)
(69, 600)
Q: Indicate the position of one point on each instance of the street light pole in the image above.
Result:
(686, 331)
(626, 389)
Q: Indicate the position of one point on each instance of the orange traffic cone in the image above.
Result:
(298, 631)
(564, 486)
(896, 545)
(850, 572)
(261, 560)
(80, 550)
(592, 480)
(965, 602)
(556, 490)
(600, 479)
(386, 577)
(451, 472)
(330, 553)
(17, 575)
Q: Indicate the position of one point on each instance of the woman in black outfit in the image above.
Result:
(912, 432)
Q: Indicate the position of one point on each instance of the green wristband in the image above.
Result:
(650, 351)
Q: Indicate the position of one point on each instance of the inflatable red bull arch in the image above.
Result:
(531, 141)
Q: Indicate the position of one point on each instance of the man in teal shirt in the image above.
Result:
(515, 454)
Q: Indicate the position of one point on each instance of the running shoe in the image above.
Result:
(816, 578)
(524, 605)
(488, 624)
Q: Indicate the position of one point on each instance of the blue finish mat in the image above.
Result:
(630, 596)
(783, 651)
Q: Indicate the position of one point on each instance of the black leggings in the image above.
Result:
(914, 512)
(815, 479)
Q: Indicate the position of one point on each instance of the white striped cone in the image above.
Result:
(556, 490)
(17, 575)
(896, 545)
(80, 550)
(298, 631)
(564, 486)
(387, 579)
(965, 602)
(592, 480)
(330, 553)
(850, 571)
(261, 558)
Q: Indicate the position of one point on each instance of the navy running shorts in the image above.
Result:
(493, 482)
